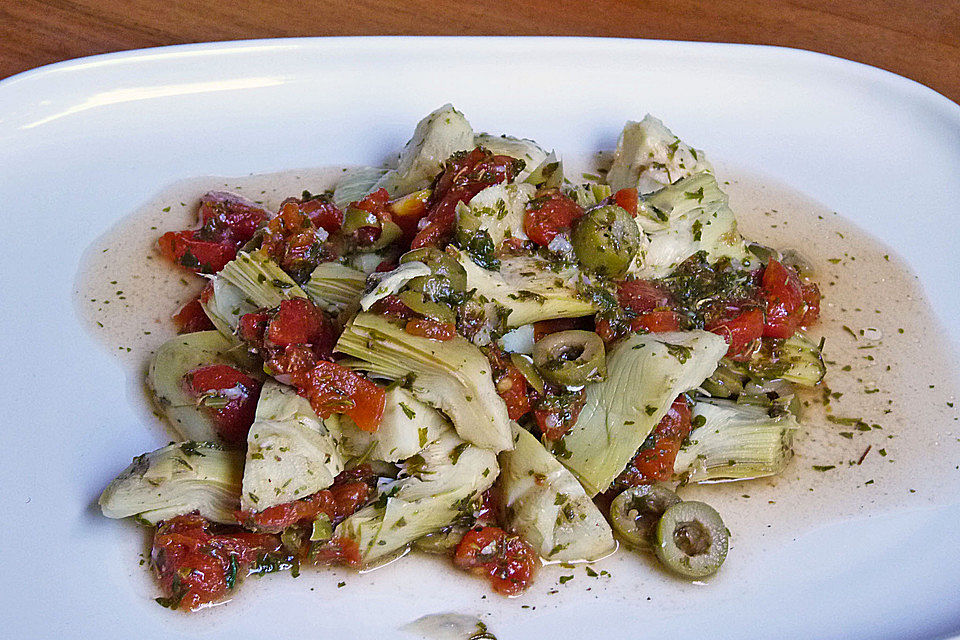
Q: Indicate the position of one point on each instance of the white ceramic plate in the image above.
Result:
(84, 142)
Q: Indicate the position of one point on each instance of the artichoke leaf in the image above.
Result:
(175, 480)
(291, 453)
(528, 288)
(440, 485)
(544, 502)
(645, 374)
(735, 442)
(407, 426)
(452, 376)
(649, 157)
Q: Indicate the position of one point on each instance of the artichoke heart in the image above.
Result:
(645, 374)
(291, 453)
(177, 479)
(439, 485)
(407, 426)
(453, 376)
(545, 504)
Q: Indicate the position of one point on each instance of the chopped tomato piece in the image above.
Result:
(290, 337)
(196, 566)
(656, 321)
(298, 321)
(641, 295)
(654, 461)
(393, 306)
(230, 398)
(508, 560)
(193, 254)
(784, 297)
(627, 200)
(811, 298)
(295, 242)
(741, 332)
(320, 209)
(228, 218)
(337, 551)
(510, 383)
(464, 176)
(549, 214)
(192, 318)
(431, 329)
(228, 221)
(555, 415)
(332, 388)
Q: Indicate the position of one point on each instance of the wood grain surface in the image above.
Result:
(919, 39)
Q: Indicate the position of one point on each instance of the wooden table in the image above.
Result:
(916, 38)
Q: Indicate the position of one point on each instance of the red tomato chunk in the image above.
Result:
(550, 214)
(332, 388)
(197, 566)
(655, 463)
(230, 398)
(192, 318)
(508, 561)
(228, 222)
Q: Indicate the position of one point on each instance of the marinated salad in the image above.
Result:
(472, 354)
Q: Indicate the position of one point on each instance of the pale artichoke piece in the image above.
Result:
(407, 426)
(521, 148)
(548, 174)
(528, 288)
(735, 442)
(176, 358)
(544, 503)
(684, 218)
(645, 374)
(356, 183)
(291, 453)
(381, 285)
(590, 195)
(649, 157)
(437, 137)
(441, 483)
(175, 480)
(796, 359)
(225, 307)
(334, 286)
(453, 376)
(261, 280)
(498, 210)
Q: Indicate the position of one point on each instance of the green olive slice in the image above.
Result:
(355, 218)
(636, 511)
(571, 358)
(433, 310)
(606, 240)
(691, 539)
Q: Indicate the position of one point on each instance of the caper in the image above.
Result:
(570, 358)
(691, 539)
(434, 310)
(444, 266)
(635, 512)
(606, 240)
